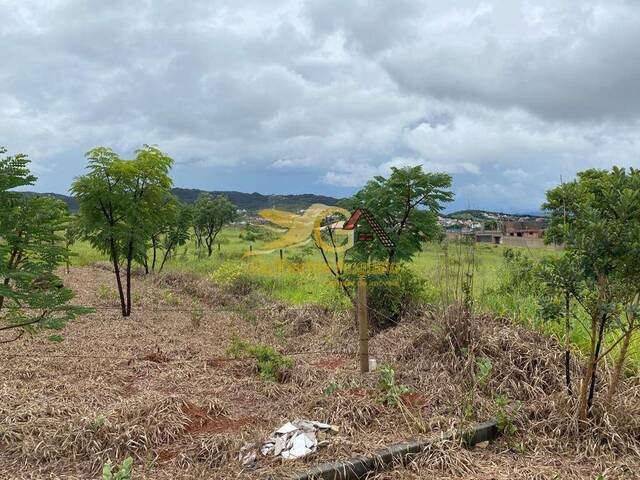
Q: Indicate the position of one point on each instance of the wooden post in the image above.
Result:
(363, 325)
(250, 248)
(281, 266)
(218, 246)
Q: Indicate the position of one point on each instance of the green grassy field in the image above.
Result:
(302, 277)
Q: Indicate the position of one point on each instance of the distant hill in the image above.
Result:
(70, 201)
(256, 201)
(251, 202)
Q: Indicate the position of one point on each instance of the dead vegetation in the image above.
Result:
(166, 393)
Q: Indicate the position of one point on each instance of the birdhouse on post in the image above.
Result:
(373, 223)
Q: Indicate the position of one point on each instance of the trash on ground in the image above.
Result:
(292, 440)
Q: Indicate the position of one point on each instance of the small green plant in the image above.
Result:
(392, 298)
(106, 293)
(170, 297)
(197, 314)
(271, 364)
(98, 422)
(505, 413)
(55, 338)
(387, 385)
(484, 368)
(123, 472)
(332, 388)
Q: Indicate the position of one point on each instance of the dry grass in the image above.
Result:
(156, 387)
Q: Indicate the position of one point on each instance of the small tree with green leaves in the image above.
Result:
(171, 231)
(31, 295)
(210, 216)
(407, 205)
(121, 205)
(597, 217)
(177, 232)
(561, 291)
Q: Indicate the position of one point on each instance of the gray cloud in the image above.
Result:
(318, 95)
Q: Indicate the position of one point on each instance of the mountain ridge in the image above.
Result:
(251, 202)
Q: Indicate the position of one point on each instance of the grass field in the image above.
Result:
(301, 277)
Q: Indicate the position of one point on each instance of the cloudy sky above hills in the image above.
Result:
(319, 95)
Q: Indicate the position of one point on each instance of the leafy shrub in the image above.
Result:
(519, 271)
(392, 297)
(271, 364)
(253, 233)
(484, 368)
(387, 385)
(505, 413)
(120, 473)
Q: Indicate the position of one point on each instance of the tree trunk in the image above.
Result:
(209, 242)
(116, 269)
(128, 280)
(10, 266)
(5, 282)
(567, 342)
(165, 257)
(592, 386)
(155, 250)
(586, 374)
(619, 368)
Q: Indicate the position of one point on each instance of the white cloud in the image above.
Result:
(323, 94)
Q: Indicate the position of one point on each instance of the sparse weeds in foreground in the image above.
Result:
(197, 314)
(483, 368)
(387, 385)
(169, 297)
(334, 387)
(98, 422)
(271, 364)
(106, 293)
(505, 413)
(123, 472)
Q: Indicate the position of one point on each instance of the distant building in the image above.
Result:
(525, 228)
(494, 237)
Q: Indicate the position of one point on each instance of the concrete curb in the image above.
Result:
(359, 467)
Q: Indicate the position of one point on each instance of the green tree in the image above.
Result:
(31, 295)
(597, 217)
(168, 214)
(210, 216)
(177, 232)
(561, 289)
(491, 224)
(407, 205)
(121, 205)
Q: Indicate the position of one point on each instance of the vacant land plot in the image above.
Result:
(163, 387)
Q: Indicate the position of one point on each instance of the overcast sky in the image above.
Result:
(319, 95)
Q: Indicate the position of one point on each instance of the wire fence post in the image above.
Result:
(363, 324)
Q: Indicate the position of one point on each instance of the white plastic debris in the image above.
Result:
(373, 364)
(296, 439)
